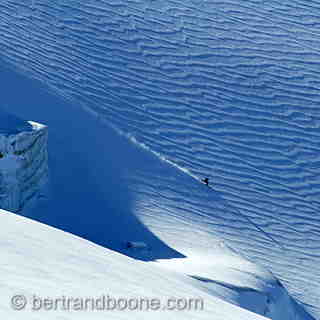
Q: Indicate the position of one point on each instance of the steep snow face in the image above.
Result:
(222, 89)
(114, 192)
(23, 162)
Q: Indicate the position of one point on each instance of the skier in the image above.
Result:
(206, 181)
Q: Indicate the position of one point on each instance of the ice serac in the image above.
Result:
(23, 162)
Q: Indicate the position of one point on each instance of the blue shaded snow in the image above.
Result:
(10, 124)
(220, 89)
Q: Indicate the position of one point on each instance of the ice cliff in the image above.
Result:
(23, 161)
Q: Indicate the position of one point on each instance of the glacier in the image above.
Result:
(217, 89)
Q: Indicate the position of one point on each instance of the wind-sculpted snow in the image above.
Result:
(223, 89)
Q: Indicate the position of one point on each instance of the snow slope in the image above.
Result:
(98, 194)
(43, 262)
(220, 89)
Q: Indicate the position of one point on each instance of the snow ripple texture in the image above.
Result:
(224, 89)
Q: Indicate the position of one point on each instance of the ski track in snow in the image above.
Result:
(221, 89)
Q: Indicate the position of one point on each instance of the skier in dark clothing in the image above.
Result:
(206, 181)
